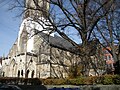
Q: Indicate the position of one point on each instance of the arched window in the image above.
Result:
(32, 74)
(3, 74)
(18, 73)
(39, 74)
(22, 73)
(27, 73)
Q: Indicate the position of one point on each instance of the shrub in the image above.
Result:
(73, 82)
(108, 79)
(117, 79)
(74, 71)
(77, 81)
(54, 81)
(48, 81)
(60, 81)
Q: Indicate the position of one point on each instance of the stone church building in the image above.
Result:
(38, 53)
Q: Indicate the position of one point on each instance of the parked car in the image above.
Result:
(10, 87)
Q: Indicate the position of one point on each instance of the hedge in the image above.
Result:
(24, 81)
(104, 80)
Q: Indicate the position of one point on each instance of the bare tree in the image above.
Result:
(108, 30)
(82, 17)
(73, 20)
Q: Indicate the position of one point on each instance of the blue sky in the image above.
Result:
(9, 27)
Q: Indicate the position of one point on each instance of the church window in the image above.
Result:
(39, 74)
(3, 74)
(32, 74)
(22, 73)
(18, 73)
(27, 73)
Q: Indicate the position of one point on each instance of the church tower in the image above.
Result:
(35, 11)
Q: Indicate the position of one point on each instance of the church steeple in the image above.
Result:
(36, 8)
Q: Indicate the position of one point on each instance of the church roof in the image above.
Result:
(57, 41)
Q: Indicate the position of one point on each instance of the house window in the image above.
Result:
(109, 57)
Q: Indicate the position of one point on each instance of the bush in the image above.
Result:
(48, 81)
(77, 81)
(62, 82)
(117, 79)
(108, 79)
(54, 81)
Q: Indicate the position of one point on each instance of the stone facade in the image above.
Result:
(45, 60)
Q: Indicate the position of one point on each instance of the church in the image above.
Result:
(37, 53)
